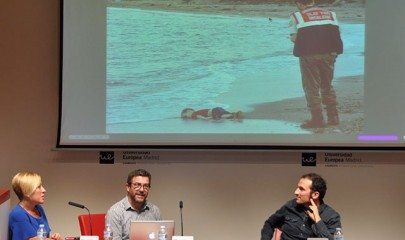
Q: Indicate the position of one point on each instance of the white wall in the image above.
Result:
(231, 200)
(4, 211)
(227, 195)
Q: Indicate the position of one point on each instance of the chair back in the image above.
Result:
(97, 222)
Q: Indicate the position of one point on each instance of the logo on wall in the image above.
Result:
(308, 159)
(106, 157)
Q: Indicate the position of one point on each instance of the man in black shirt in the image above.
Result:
(306, 215)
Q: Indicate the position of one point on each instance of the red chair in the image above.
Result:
(97, 222)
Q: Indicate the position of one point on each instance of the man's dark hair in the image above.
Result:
(318, 184)
(138, 172)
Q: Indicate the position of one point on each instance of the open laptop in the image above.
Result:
(140, 230)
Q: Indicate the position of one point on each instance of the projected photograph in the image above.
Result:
(222, 66)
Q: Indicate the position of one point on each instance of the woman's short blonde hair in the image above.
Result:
(25, 183)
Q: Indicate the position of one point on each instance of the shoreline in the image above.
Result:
(348, 12)
(278, 117)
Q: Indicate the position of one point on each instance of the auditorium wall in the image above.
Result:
(226, 194)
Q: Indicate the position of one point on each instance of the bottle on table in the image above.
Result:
(152, 236)
(338, 235)
(108, 234)
(162, 233)
(41, 232)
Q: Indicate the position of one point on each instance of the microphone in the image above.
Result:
(181, 216)
(76, 205)
(82, 206)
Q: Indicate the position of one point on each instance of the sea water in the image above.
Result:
(161, 62)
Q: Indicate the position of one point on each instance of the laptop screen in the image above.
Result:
(140, 230)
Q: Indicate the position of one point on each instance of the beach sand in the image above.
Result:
(350, 96)
(250, 97)
(293, 111)
(349, 11)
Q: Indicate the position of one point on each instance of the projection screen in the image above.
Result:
(129, 69)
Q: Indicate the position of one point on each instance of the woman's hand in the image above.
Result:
(55, 236)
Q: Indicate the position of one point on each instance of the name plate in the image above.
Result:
(183, 238)
(89, 238)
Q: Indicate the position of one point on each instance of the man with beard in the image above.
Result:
(133, 206)
(305, 216)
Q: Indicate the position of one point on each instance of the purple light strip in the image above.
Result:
(378, 138)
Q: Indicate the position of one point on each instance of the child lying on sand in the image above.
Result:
(215, 113)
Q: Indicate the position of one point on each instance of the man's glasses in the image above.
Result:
(138, 186)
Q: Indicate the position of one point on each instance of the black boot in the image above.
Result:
(316, 120)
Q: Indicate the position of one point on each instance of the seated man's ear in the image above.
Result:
(315, 195)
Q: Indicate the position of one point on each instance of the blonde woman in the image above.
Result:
(28, 214)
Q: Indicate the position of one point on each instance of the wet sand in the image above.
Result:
(350, 96)
(349, 12)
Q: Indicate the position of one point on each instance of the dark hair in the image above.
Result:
(318, 184)
(138, 172)
(183, 112)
